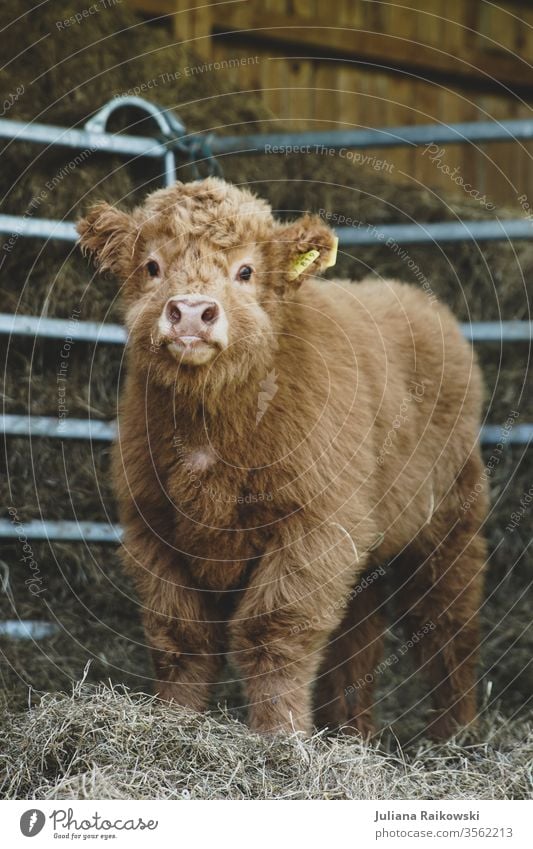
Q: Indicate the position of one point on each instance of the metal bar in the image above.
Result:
(472, 131)
(521, 434)
(170, 168)
(446, 231)
(62, 530)
(93, 331)
(38, 228)
(19, 629)
(498, 331)
(61, 328)
(55, 428)
(48, 134)
(19, 425)
(107, 533)
(364, 234)
(420, 134)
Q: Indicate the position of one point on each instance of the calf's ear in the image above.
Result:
(108, 235)
(305, 247)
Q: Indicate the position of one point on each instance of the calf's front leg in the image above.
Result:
(187, 656)
(180, 624)
(279, 631)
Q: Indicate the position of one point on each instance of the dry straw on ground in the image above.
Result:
(159, 753)
(102, 743)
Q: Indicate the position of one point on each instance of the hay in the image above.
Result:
(103, 743)
(85, 591)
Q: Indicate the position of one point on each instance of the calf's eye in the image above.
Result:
(245, 272)
(152, 268)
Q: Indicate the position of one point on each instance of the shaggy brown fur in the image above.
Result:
(309, 433)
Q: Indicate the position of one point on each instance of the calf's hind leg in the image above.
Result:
(344, 688)
(439, 597)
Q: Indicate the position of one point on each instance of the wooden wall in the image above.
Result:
(332, 64)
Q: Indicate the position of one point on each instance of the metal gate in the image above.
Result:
(172, 141)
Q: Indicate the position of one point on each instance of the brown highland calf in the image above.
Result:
(280, 438)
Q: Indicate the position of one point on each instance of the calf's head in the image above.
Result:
(206, 273)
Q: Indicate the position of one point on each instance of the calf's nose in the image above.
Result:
(188, 315)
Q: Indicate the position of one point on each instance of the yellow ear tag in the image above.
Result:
(332, 259)
(302, 262)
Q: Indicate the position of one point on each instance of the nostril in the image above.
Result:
(209, 314)
(174, 313)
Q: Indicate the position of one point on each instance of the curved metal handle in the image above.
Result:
(171, 127)
(168, 123)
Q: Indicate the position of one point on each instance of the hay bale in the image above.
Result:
(104, 743)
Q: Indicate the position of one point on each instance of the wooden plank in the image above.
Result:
(399, 93)
(525, 159)
(375, 107)
(326, 96)
(299, 74)
(351, 100)
(431, 25)
(526, 33)
(419, 25)
(516, 158)
(383, 88)
(425, 97)
(508, 155)
(450, 109)
(193, 26)
(497, 28)
(245, 74)
(345, 42)
(472, 164)
(377, 87)
(272, 75)
(278, 7)
(502, 171)
(401, 21)
(453, 40)
(348, 13)
(374, 17)
(153, 8)
(307, 8)
(249, 74)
